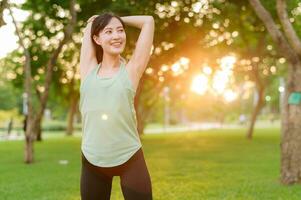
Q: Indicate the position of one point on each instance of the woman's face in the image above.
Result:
(112, 38)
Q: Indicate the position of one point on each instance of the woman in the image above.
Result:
(110, 144)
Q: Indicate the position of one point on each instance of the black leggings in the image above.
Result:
(135, 182)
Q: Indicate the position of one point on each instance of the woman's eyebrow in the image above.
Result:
(107, 28)
(110, 28)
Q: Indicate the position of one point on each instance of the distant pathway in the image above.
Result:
(161, 130)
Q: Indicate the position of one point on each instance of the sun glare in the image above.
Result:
(8, 39)
(227, 62)
(199, 84)
(230, 95)
(175, 67)
(220, 81)
(207, 70)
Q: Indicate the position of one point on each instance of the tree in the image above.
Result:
(34, 116)
(289, 46)
(255, 62)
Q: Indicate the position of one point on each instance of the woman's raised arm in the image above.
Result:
(87, 52)
(142, 52)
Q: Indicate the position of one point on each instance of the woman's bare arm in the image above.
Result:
(87, 52)
(142, 52)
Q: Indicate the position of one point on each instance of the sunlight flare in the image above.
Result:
(199, 84)
(230, 95)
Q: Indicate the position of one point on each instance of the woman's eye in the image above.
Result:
(120, 31)
(108, 32)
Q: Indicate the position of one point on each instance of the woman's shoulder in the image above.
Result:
(85, 71)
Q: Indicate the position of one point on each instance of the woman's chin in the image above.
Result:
(116, 51)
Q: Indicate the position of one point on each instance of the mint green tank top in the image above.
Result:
(109, 124)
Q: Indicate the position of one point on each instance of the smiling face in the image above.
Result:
(112, 38)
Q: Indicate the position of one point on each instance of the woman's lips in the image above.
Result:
(116, 44)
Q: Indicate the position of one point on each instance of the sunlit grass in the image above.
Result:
(216, 164)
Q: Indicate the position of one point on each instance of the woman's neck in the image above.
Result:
(110, 62)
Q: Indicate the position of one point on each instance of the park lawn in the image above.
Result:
(214, 164)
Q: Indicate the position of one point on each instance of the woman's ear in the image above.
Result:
(96, 39)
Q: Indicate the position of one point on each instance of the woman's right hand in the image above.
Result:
(91, 19)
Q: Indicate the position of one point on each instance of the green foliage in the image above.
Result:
(7, 115)
(188, 40)
(10, 94)
(9, 98)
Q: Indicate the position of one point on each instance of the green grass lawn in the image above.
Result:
(216, 164)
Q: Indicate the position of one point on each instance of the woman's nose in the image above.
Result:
(115, 35)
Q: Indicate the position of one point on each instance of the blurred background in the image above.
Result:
(218, 68)
(213, 64)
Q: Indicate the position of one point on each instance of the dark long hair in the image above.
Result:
(99, 23)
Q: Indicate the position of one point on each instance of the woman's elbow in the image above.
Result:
(150, 19)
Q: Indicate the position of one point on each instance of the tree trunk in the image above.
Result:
(255, 113)
(139, 118)
(140, 125)
(10, 126)
(49, 70)
(144, 109)
(28, 151)
(260, 85)
(34, 119)
(29, 141)
(38, 132)
(71, 115)
(291, 132)
(291, 114)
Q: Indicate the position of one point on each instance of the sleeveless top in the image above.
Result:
(109, 124)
